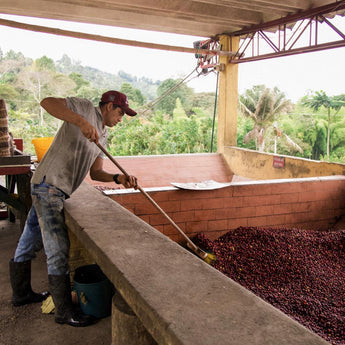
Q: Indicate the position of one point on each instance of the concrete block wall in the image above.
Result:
(78, 255)
(308, 203)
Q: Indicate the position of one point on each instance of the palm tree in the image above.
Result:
(262, 105)
(320, 99)
(289, 143)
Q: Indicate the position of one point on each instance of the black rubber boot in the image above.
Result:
(65, 313)
(20, 276)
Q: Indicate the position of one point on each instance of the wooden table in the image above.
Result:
(17, 172)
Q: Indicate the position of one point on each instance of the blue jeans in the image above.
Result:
(45, 225)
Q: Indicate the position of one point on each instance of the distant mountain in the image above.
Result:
(104, 80)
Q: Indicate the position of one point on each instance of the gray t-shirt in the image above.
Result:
(71, 155)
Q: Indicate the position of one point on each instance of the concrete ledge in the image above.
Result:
(259, 165)
(235, 183)
(178, 298)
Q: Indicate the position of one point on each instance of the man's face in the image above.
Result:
(111, 116)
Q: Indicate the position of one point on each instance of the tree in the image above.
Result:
(132, 94)
(320, 99)
(179, 112)
(42, 82)
(169, 91)
(204, 100)
(45, 63)
(262, 105)
(11, 65)
(8, 92)
(90, 93)
(65, 63)
(79, 80)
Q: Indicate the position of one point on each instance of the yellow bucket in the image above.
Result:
(41, 146)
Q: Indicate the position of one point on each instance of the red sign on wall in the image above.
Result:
(278, 162)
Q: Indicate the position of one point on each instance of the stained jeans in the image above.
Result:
(45, 225)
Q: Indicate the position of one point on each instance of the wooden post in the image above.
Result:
(228, 97)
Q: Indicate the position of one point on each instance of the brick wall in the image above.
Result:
(160, 170)
(310, 203)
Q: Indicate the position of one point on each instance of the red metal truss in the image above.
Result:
(211, 60)
(291, 35)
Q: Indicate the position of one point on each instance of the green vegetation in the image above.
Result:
(181, 121)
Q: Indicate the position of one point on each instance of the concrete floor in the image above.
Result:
(26, 324)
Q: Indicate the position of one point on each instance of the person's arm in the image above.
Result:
(57, 107)
(97, 173)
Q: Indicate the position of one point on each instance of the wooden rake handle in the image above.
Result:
(190, 243)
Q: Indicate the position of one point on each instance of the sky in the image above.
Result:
(295, 75)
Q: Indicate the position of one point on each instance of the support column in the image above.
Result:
(126, 328)
(228, 97)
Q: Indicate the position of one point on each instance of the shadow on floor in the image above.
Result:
(26, 324)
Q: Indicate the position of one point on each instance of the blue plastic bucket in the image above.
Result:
(94, 291)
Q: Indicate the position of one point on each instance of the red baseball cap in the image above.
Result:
(119, 99)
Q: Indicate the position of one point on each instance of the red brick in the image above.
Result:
(325, 195)
(307, 196)
(244, 190)
(236, 222)
(145, 208)
(227, 213)
(146, 219)
(185, 216)
(195, 227)
(244, 212)
(160, 228)
(283, 209)
(264, 210)
(261, 200)
(233, 202)
(187, 205)
(289, 187)
(214, 235)
(169, 229)
(129, 208)
(257, 221)
(128, 198)
(202, 204)
(217, 225)
(177, 238)
(289, 198)
(157, 219)
(275, 220)
(204, 214)
(170, 206)
(300, 207)
(335, 185)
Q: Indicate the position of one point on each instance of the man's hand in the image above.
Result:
(89, 131)
(130, 182)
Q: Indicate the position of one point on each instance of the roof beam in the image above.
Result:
(81, 35)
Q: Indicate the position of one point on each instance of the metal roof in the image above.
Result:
(204, 18)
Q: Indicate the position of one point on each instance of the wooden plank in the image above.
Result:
(14, 170)
(15, 160)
